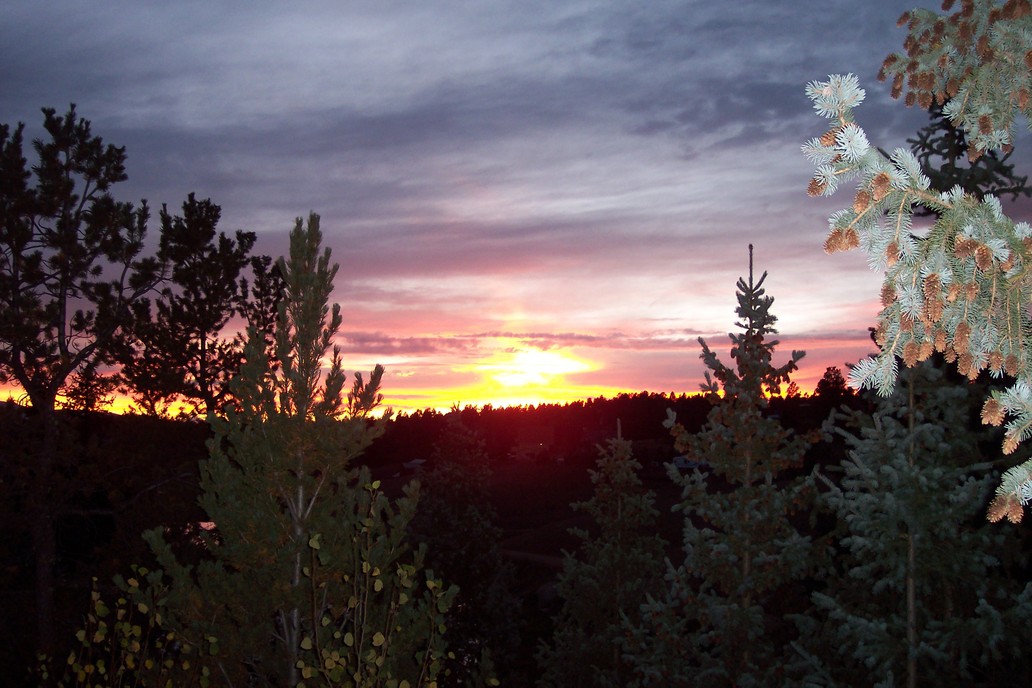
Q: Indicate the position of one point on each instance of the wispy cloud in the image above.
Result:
(579, 178)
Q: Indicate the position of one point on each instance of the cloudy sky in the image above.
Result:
(530, 201)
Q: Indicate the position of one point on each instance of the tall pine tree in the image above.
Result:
(177, 351)
(604, 582)
(305, 572)
(72, 265)
(923, 591)
(721, 622)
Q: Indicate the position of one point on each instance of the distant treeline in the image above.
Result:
(572, 431)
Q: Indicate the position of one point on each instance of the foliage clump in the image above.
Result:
(129, 643)
(962, 286)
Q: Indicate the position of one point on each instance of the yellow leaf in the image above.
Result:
(378, 639)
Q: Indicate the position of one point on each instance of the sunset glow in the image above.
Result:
(523, 368)
(527, 207)
(506, 371)
(511, 374)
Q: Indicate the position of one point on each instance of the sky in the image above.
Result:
(529, 201)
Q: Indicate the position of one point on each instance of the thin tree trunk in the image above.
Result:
(747, 558)
(911, 615)
(44, 539)
(911, 562)
(293, 633)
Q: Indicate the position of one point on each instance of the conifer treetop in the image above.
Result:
(307, 331)
(755, 373)
(963, 286)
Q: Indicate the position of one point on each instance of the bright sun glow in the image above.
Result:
(531, 367)
(510, 373)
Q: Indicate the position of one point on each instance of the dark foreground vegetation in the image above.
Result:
(124, 474)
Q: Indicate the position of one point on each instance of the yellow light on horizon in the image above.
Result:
(513, 374)
(531, 367)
